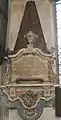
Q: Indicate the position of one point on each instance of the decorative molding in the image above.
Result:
(31, 64)
(29, 101)
(23, 92)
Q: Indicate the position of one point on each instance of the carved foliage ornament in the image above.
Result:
(31, 100)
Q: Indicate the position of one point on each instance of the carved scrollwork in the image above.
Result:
(7, 71)
(30, 110)
(29, 64)
(30, 96)
(51, 75)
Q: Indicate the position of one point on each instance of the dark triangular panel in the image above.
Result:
(30, 22)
